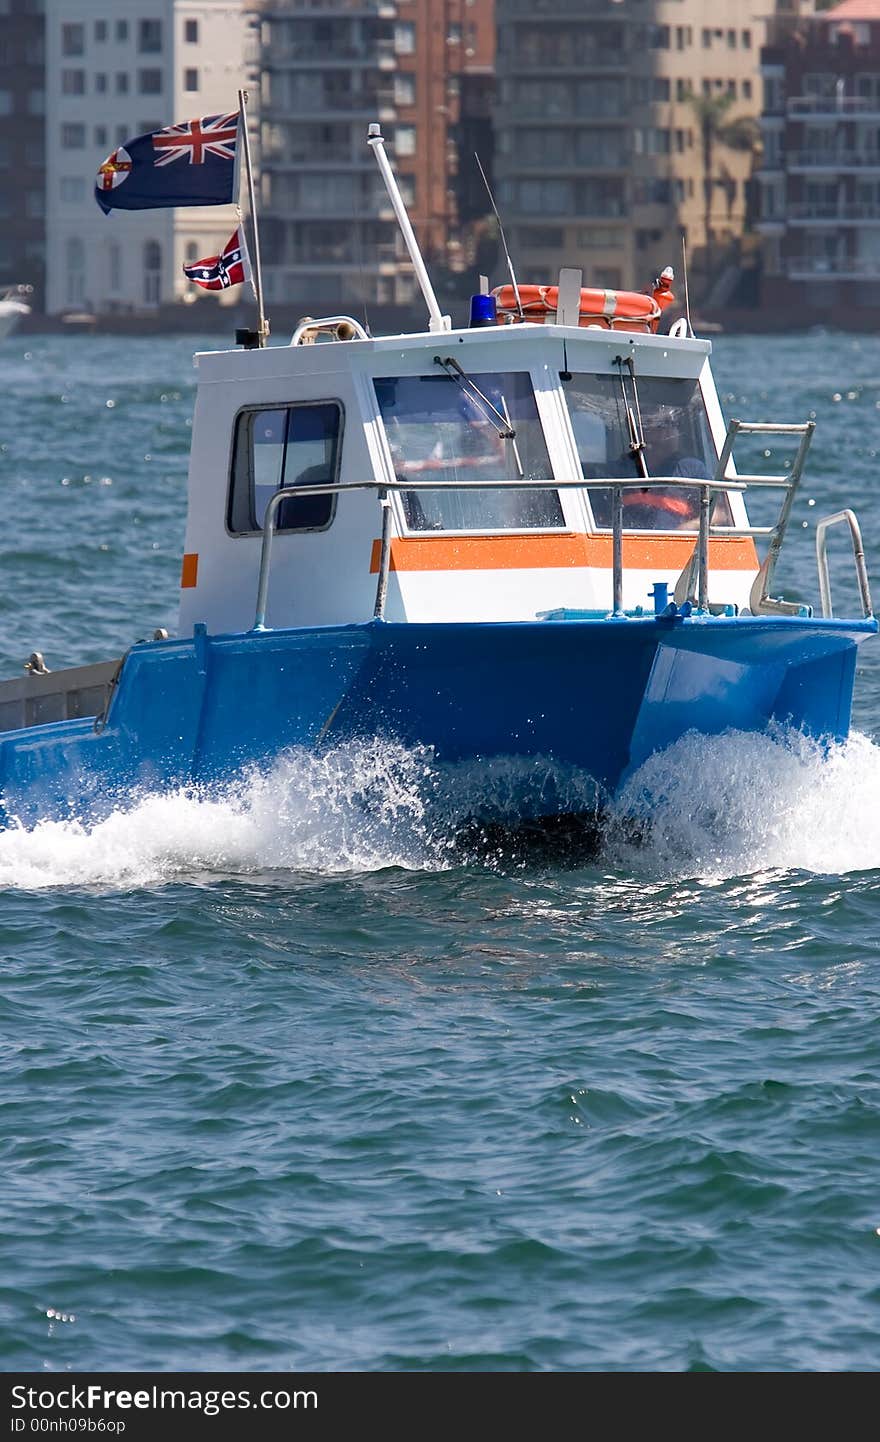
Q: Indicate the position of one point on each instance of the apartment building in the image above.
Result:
(820, 176)
(423, 69)
(22, 145)
(622, 125)
(116, 69)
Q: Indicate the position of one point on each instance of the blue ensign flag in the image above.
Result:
(189, 164)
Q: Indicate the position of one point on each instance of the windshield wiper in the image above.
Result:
(633, 414)
(483, 404)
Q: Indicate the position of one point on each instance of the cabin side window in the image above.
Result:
(677, 442)
(449, 429)
(283, 446)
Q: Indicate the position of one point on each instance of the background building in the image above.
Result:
(820, 176)
(621, 126)
(115, 69)
(423, 69)
(22, 145)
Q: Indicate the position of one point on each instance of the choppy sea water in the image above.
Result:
(287, 1085)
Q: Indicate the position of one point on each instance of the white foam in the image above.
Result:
(357, 808)
(720, 806)
(738, 803)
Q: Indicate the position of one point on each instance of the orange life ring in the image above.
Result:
(614, 309)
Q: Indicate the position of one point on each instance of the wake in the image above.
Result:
(715, 807)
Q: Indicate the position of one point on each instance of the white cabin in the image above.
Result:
(432, 407)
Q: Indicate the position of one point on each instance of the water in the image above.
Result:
(282, 1089)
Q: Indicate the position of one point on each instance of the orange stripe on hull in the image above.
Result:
(527, 553)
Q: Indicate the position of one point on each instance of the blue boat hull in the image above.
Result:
(596, 696)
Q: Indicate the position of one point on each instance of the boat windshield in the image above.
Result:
(678, 442)
(440, 430)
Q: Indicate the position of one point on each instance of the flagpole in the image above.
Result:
(263, 329)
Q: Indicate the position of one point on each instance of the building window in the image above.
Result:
(73, 188)
(747, 90)
(405, 140)
(121, 82)
(191, 254)
(149, 37)
(73, 82)
(404, 89)
(405, 37)
(284, 446)
(191, 32)
(73, 39)
(122, 134)
(152, 272)
(747, 39)
(100, 31)
(121, 31)
(707, 39)
(658, 36)
(100, 83)
(36, 102)
(73, 137)
(662, 88)
(101, 135)
(682, 89)
(190, 79)
(731, 39)
(150, 82)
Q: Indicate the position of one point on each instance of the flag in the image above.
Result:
(219, 272)
(189, 164)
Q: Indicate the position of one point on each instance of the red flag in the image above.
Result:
(219, 272)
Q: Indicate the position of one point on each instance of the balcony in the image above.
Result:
(837, 161)
(815, 267)
(816, 213)
(834, 107)
(602, 62)
(366, 9)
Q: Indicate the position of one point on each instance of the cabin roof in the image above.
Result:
(333, 356)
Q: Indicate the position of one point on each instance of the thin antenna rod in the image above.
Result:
(684, 267)
(263, 325)
(436, 321)
(501, 233)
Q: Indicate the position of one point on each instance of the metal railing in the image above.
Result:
(384, 488)
(693, 583)
(848, 518)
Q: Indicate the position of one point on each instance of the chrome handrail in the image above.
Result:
(334, 488)
(693, 583)
(693, 579)
(848, 517)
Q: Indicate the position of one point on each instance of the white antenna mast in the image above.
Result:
(501, 233)
(436, 321)
(684, 267)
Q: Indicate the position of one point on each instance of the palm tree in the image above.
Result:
(739, 133)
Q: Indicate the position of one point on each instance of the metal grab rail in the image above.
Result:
(693, 583)
(695, 574)
(334, 488)
(855, 533)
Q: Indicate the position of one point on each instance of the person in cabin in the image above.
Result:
(666, 453)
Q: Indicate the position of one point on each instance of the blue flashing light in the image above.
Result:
(483, 310)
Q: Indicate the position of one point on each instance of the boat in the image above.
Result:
(13, 307)
(521, 545)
